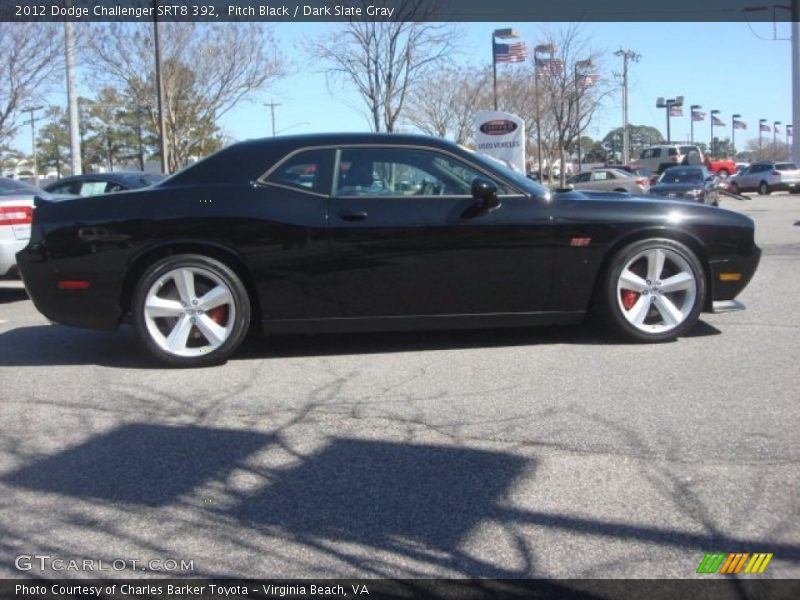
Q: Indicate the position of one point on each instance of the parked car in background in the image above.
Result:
(235, 239)
(723, 167)
(92, 184)
(16, 210)
(697, 184)
(767, 177)
(638, 171)
(609, 180)
(658, 158)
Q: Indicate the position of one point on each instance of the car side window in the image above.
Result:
(656, 152)
(600, 175)
(303, 171)
(403, 172)
(582, 178)
(92, 188)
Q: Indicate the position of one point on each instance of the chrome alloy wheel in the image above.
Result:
(657, 290)
(189, 311)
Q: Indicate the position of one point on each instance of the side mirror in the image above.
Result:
(485, 190)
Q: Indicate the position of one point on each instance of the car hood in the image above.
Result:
(664, 188)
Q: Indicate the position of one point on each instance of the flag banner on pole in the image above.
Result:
(510, 53)
(698, 115)
(717, 121)
(789, 131)
(765, 127)
(549, 67)
(739, 124)
(587, 80)
(675, 111)
(777, 129)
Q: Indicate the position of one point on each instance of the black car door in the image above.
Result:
(408, 238)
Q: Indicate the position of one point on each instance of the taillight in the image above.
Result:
(16, 215)
(643, 181)
(776, 172)
(674, 159)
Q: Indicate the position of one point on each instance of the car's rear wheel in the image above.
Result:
(191, 310)
(763, 188)
(654, 291)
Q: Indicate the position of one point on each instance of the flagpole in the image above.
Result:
(494, 72)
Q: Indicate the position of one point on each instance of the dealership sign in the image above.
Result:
(502, 136)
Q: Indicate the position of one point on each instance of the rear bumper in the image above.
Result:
(95, 308)
(8, 250)
(786, 186)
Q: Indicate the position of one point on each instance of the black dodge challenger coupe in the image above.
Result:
(356, 232)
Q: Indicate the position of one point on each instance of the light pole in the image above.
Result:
(32, 110)
(503, 34)
(668, 104)
(272, 106)
(762, 123)
(627, 55)
(714, 114)
(580, 79)
(692, 109)
(540, 49)
(733, 133)
(162, 118)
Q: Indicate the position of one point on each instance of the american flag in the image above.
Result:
(698, 115)
(777, 129)
(587, 80)
(789, 131)
(765, 127)
(739, 124)
(717, 122)
(549, 67)
(675, 111)
(510, 53)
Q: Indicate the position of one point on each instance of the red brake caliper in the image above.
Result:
(629, 298)
(219, 314)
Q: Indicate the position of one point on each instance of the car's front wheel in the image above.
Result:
(763, 188)
(654, 290)
(191, 310)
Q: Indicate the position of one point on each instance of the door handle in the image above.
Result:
(352, 215)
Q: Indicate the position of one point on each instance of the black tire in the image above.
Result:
(210, 273)
(611, 305)
(763, 189)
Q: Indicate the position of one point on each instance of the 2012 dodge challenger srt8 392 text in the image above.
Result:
(355, 232)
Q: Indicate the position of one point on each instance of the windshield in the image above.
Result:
(515, 177)
(681, 176)
(13, 186)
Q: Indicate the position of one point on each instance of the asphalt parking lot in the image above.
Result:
(528, 453)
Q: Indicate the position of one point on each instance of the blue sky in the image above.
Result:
(724, 66)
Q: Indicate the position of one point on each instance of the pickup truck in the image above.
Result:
(724, 167)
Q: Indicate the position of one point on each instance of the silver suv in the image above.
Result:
(658, 158)
(767, 177)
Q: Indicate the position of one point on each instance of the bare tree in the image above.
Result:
(768, 151)
(384, 60)
(445, 102)
(568, 98)
(206, 70)
(31, 54)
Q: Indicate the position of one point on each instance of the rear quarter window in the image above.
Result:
(786, 167)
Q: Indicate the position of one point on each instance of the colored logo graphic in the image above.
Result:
(732, 563)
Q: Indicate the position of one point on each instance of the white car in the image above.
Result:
(16, 214)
